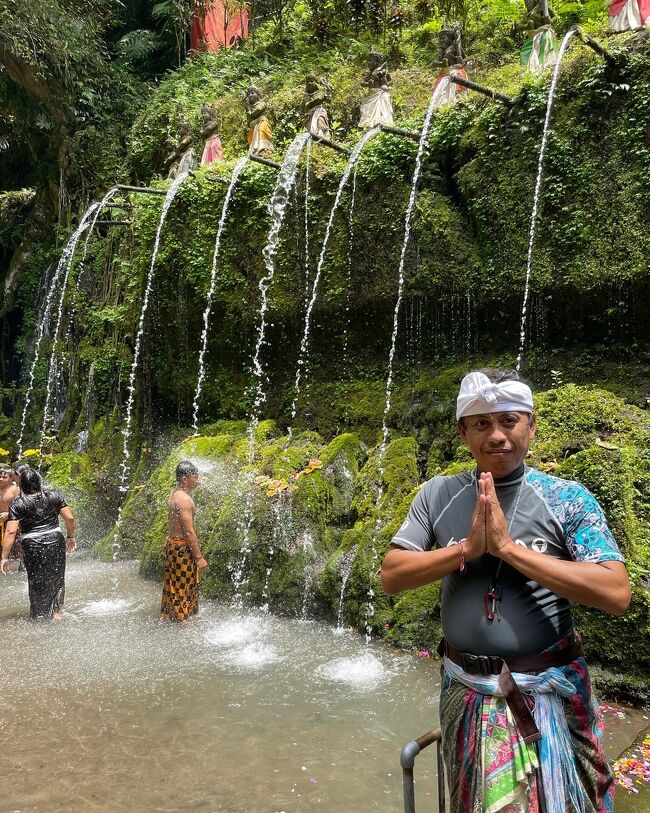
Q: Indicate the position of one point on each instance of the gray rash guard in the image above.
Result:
(551, 516)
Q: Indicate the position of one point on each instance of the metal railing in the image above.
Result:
(407, 761)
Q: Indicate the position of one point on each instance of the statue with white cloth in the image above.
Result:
(318, 92)
(377, 107)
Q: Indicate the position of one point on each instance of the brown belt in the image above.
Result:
(503, 667)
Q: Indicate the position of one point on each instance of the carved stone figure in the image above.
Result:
(628, 15)
(539, 52)
(376, 107)
(260, 133)
(450, 47)
(212, 148)
(318, 91)
(183, 156)
(538, 13)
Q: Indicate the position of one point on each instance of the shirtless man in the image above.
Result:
(184, 561)
(8, 492)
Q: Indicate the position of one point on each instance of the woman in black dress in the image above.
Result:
(37, 511)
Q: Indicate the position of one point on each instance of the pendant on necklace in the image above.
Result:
(491, 601)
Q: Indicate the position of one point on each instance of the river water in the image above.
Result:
(113, 710)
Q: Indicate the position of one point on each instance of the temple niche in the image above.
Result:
(451, 59)
(212, 147)
(182, 157)
(377, 107)
(317, 93)
(628, 15)
(217, 25)
(260, 132)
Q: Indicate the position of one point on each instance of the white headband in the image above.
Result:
(478, 395)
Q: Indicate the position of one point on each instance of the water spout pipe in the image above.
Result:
(332, 145)
(491, 94)
(147, 190)
(266, 161)
(385, 128)
(590, 42)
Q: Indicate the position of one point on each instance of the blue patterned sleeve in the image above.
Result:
(588, 536)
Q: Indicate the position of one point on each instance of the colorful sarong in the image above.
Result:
(490, 768)
(180, 594)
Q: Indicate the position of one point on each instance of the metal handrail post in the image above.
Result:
(407, 761)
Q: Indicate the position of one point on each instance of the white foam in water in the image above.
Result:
(361, 671)
(252, 656)
(231, 633)
(107, 606)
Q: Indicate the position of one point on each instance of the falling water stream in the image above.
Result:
(82, 262)
(126, 453)
(277, 209)
(62, 268)
(304, 344)
(538, 189)
(213, 281)
(439, 92)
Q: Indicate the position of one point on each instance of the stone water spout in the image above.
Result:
(508, 101)
(376, 107)
(260, 132)
(212, 147)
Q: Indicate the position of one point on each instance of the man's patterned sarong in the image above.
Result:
(477, 728)
(180, 594)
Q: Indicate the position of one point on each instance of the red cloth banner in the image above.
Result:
(221, 25)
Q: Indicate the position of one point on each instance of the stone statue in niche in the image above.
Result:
(212, 148)
(260, 133)
(450, 47)
(538, 13)
(376, 107)
(318, 92)
(183, 156)
(450, 58)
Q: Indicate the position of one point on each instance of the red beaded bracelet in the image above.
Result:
(462, 555)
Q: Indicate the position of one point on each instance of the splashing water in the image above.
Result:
(63, 267)
(435, 100)
(277, 208)
(304, 344)
(213, 280)
(124, 469)
(538, 189)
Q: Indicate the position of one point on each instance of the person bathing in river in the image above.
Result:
(184, 561)
(513, 546)
(44, 547)
(9, 490)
